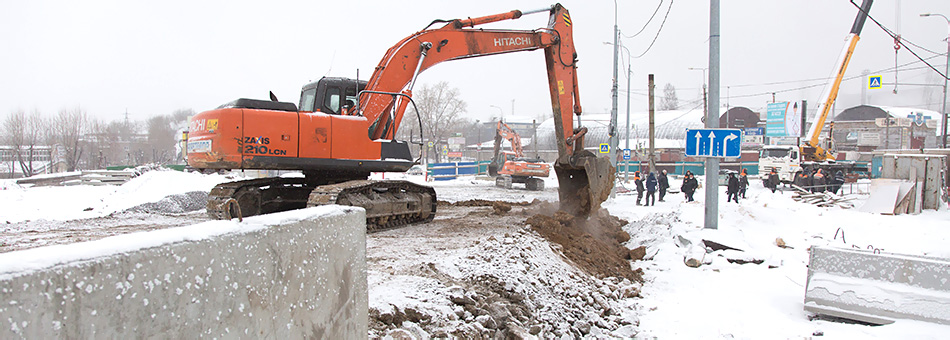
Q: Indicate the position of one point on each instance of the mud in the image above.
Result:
(594, 244)
(488, 203)
(502, 287)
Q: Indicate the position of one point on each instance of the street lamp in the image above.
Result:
(500, 112)
(945, 74)
(704, 87)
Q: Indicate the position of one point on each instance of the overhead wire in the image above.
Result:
(898, 40)
(667, 15)
(655, 11)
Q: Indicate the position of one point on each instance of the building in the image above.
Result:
(867, 128)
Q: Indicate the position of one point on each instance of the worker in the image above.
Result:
(800, 179)
(743, 182)
(818, 181)
(732, 188)
(664, 184)
(651, 189)
(690, 184)
(838, 182)
(639, 182)
(772, 181)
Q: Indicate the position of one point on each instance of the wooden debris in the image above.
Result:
(821, 199)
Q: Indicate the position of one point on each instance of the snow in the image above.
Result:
(716, 300)
(77, 202)
(24, 261)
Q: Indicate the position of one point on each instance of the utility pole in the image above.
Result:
(613, 139)
(650, 87)
(946, 74)
(712, 119)
(626, 167)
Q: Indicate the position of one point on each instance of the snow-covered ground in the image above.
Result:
(718, 300)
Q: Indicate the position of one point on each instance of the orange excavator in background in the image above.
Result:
(344, 129)
(512, 166)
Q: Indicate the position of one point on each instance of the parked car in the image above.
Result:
(416, 170)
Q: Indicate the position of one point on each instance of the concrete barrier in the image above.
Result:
(877, 288)
(297, 274)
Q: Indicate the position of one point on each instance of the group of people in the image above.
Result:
(817, 181)
(651, 186)
(736, 187)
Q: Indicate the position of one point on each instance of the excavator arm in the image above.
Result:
(585, 180)
(506, 132)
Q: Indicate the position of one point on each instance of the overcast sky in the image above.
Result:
(155, 57)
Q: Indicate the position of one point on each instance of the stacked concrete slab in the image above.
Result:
(298, 274)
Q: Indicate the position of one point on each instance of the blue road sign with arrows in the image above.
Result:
(713, 142)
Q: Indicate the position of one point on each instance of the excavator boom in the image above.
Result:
(585, 179)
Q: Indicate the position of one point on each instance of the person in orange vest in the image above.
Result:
(818, 181)
(639, 183)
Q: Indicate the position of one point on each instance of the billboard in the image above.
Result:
(753, 137)
(783, 119)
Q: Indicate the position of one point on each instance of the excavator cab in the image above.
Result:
(330, 95)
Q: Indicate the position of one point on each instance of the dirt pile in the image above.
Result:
(594, 244)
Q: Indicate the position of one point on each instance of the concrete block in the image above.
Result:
(297, 274)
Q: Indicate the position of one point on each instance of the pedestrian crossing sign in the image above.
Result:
(874, 82)
(605, 148)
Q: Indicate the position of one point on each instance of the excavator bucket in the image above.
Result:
(585, 183)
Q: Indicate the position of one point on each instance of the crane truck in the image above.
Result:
(810, 155)
(512, 166)
(344, 129)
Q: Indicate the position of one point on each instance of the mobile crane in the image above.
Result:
(512, 166)
(345, 129)
(811, 155)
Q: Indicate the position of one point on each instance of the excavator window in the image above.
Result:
(307, 99)
(332, 100)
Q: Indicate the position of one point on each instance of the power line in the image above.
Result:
(657, 31)
(897, 39)
(648, 21)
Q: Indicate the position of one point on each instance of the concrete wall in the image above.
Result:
(291, 275)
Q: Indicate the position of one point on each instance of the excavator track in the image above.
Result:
(388, 204)
(257, 196)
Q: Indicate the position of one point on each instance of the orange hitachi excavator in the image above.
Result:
(345, 129)
(512, 166)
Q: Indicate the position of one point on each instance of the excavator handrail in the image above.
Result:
(414, 107)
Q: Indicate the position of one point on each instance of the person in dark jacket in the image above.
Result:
(664, 184)
(639, 182)
(743, 182)
(651, 189)
(838, 182)
(690, 184)
(772, 181)
(732, 188)
(800, 180)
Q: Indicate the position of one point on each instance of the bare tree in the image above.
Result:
(441, 110)
(13, 131)
(161, 138)
(669, 102)
(69, 126)
(36, 127)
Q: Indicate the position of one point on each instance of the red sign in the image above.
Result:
(457, 154)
